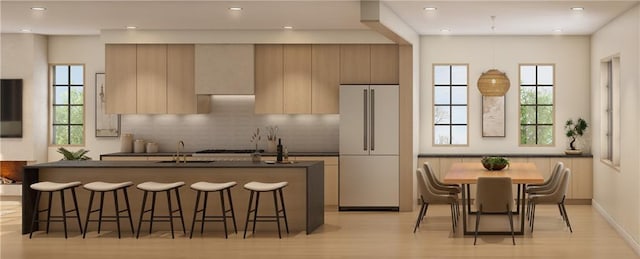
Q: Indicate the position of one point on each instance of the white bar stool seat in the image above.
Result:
(207, 187)
(51, 187)
(154, 188)
(256, 188)
(103, 187)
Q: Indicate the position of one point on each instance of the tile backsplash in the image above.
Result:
(231, 124)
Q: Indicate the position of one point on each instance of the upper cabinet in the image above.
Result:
(151, 79)
(224, 69)
(120, 90)
(269, 78)
(369, 64)
(297, 79)
(325, 78)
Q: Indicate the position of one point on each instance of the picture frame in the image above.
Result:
(493, 116)
(107, 125)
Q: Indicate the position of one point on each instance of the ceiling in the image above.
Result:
(513, 17)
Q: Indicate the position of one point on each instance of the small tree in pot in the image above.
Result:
(574, 130)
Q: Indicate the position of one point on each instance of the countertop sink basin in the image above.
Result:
(188, 162)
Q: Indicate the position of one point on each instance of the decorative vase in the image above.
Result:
(271, 146)
(255, 157)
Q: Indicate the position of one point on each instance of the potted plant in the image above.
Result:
(78, 155)
(494, 163)
(572, 131)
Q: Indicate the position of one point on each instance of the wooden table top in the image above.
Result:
(468, 173)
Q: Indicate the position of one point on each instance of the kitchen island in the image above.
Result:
(304, 196)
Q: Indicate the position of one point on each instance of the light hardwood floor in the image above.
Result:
(344, 235)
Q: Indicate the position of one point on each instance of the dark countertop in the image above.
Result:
(190, 153)
(504, 155)
(155, 164)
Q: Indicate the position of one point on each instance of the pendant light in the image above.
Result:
(493, 82)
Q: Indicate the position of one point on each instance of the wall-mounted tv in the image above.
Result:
(10, 108)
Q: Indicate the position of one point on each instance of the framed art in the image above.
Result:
(493, 114)
(107, 125)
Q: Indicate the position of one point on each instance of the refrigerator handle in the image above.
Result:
(373, 120)
(366, 122)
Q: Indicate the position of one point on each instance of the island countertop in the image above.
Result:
(304, 195)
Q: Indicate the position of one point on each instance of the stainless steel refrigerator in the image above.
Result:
(369, 132)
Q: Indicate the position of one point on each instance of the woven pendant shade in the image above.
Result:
(493, 83)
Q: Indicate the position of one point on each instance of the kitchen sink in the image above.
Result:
(188, 162)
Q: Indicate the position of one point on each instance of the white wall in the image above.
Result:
(24, 56)
(616, 192)
(570, 54)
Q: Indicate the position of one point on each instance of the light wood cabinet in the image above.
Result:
(181, 96)
(369, 64)
(297, 79)
(325, 79)
(268, 79)
(330, 177)
(224, 69)
(120, 78)
(384, 64)
(355, 64)
(151, 79)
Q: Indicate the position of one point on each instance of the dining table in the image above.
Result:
(467, 173)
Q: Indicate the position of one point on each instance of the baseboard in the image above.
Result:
(625, 235)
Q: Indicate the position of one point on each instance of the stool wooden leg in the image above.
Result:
(255, 213)
(126, 200)
(233, 215)
(75, 203)
(170, 213)
(284, 211)
(100, 212)
(86, 222)
(153, 210)
(64, 213)
(204, 211)
(115, 201)
(184, 230)
(49, 210)
(224, 214)
(195, 212)
(246, 223)
(144, 200)
(35, 213)
(275, 204)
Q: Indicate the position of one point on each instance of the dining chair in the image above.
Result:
(557, 196)
(547, 187)
(428, 196)
(494, 195)
(448, 188)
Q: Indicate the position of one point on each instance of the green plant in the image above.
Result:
(78, 155)
(494, 162)
(574, 130)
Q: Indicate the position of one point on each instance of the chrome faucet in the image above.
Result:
(180, 147)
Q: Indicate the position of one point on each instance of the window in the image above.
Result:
(536, 104)
(67, 104)
(450, 104)
(611, 110)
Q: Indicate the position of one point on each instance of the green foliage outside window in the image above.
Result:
(536, 105)
(68, 105)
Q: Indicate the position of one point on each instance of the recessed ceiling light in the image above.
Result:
(445, 30)
(131, 27)
(38, 8)
(430, 8)
(577, 8)
(287, 27)
(25, 30)
(557, 30)
(235, 8)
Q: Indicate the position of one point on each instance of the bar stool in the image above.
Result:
(206, 187)
(103, 187)
(51, 187)
(154, 188)
(257, 188)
